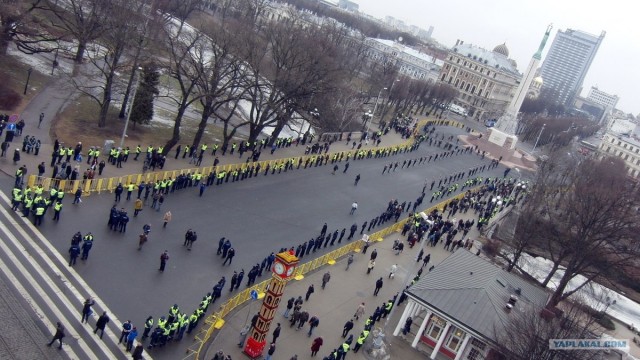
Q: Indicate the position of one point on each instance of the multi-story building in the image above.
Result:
(625, 146)
(410, 62)
(568, 62)
(485, 79)
(348, 5)
(600, 97)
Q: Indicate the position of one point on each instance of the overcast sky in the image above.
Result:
(521, 24)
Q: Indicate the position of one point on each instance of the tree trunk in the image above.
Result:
(82, 47)
(176, 129)
(206, 113)
(514, 261)
(556, 297)
(550, 275)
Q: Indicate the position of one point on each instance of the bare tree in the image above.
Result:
(589, 218)
(220, 85)
(19, 25)
(526, 334)
(100, 79)
(189, 52)
(83, 20)
(282, 70)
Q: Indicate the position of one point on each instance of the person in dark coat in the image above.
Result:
(310, 291)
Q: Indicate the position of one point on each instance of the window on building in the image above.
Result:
(450, 79)
(457, 82)
(444, 77)
(435, 327)
(467, 88)
(473, 89)
(454, 339)
(626, 157)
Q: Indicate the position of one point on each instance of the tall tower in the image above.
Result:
(567, 63)
(283, 270)
(508, 123)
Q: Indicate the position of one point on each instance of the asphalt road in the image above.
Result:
(258, 215)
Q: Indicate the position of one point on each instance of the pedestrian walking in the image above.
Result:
(243, 335)
(164, 257)
(370, 267)
(59, 335)
(349, 261)
(126, 329)
(354, 207)
(325, 279)
(374, 254)
(392, 271)
(379, 284)
(335, 168)
(137, 207)
(166, 218)
(276, 333)
(230, 254)
(272, 349)
(310, 290)
(407, 326)
(102, 322)
(347, 327)
(142, 240)
(315, 345)
(131, 337)
(313, 323)
(137, 352)
(357, 180)
(359, 311)
(86, 310)
(74, 251)
(289, 307)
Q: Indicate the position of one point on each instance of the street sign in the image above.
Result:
(14, 118)
(11, 127)
(253, 294)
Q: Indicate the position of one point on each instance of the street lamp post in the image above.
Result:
(26, 85)
(374, 110)
(538, 139)
(133, 98)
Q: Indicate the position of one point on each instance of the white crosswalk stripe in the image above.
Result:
(39, 274)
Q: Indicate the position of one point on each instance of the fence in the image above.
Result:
(216, 320)
(109, 184)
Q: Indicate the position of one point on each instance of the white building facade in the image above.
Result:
(625, 146)
(602, 98)
(410, 62)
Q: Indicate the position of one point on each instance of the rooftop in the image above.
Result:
(410, 51)
(489, 58)
(475, 292)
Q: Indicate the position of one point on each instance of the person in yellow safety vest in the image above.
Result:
(204, 304)
(130, 189)
(17, 200)
(214, 149)
(173, 328)
(193, 321)
(56, 211)
(26, 205)
(60, 195)
(149, 150)
(38, 190)
(138, 151)
(126, 154)
(165, 334)
(53, 193)
(343, 350)
(221, 175)
(162, 322)
(174, 311)
(39, 214)
(88, 237)
(148, 324)
(387, 308)
(203, 148)
(361, 340)
(184, 323)
(16, 191)
(199, 312)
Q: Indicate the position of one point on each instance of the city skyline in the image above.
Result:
(520, 26)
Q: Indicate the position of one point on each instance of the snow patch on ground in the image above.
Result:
(596, 295)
